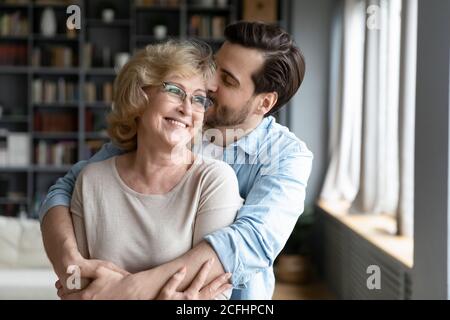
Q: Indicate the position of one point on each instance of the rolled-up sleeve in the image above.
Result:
(265, 222)
(60, 193)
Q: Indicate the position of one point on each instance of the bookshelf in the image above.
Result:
(55, 90)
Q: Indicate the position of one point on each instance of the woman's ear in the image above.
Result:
(268, 102)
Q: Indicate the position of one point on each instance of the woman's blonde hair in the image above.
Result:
(150, 66)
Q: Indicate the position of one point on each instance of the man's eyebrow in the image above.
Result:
(230, 75)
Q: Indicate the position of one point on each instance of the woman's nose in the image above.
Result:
(186, 107)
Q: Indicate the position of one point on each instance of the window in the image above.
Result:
(372, 110)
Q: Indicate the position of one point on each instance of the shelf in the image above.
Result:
(55, 135)
(142, 9)
(14, 69)
(98, 23)
(56, 105)
(98, 105)
(56, 38)
(152, 39)
(14, 38)
(14, 119)
(209, 10)
(14, 6)
(51, 168)
(13, 169)
(13, 201)
(101, 72)
(96, 135)
(56, 6)
(55, 70)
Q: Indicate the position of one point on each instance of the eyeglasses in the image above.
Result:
(177, 96)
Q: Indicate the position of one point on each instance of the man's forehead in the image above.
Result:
(236, 58)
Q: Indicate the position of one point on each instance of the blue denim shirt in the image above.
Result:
(272, 166)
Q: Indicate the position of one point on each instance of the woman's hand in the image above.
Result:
(110, 282)
(197, 290)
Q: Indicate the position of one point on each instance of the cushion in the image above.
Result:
(21, 244)
(31, 248)
(10, 233)
(24, 284)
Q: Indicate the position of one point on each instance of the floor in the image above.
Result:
(316, 290)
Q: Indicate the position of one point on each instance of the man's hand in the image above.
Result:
(109, 282)
(112, 284)
(196, 290)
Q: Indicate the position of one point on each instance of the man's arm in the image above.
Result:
(56, 223)
(59, 240)
(147, 284)
(266, 220)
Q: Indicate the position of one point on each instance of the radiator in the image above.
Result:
(343, 258)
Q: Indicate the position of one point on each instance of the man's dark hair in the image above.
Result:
(284, 66)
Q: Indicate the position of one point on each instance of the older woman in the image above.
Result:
(155, 202)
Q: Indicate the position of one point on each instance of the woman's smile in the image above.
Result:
(177, 122)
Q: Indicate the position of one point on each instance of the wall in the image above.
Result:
(431, 200)
(308, 112)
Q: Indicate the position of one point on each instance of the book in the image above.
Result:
(48, 121)
(37, 90)
(56, 154)
(18, 144)
(41, 153)
(13, 24)
(218, 27)
(36, 57)
(13, 54)
(261, 10)
(87, 55)
(90, 94)
(62, 90)
(49, 91)
(107, 92)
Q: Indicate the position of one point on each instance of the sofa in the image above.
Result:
(25, 271)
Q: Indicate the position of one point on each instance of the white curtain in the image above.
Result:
(372, 147)
(342, 178)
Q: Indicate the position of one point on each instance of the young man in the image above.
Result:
(259, 69)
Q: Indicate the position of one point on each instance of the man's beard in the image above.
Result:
(223, 116)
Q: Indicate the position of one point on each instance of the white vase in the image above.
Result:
(160, 31)
(48, 22)
(121, 59)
